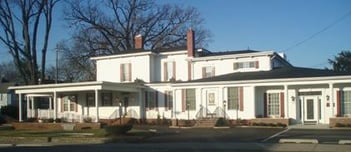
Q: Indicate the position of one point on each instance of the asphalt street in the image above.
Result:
(233, 139)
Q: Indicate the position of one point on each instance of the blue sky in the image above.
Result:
(264, 25)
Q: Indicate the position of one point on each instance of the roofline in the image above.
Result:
(141, 53)
(57, 85)
(287, 81)
(241, 55)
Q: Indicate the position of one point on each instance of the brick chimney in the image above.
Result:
(190, 42)
(138, 40)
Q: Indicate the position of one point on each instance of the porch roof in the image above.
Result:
(275, 74)
(76, 87)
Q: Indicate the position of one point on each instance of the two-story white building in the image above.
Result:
(189, 83)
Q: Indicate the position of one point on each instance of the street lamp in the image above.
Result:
(224, 107)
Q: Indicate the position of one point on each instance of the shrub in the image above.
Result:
(118, 129)
(340, 125)
(222, 122)
(2, 120)
(9, 110)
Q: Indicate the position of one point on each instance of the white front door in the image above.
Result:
(211, 100)
(310, 108)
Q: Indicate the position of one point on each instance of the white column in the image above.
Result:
(254, 100)
(49, 109)
(20, 107)
(33, 109)
(286, 100)
(97, 105)
(55, 107)
(331, 99)
(29, 114)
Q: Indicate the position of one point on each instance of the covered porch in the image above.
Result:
(79, 102)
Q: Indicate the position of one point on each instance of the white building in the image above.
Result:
(189, 83)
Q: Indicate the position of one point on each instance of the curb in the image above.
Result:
(344, 142)
(299, 141)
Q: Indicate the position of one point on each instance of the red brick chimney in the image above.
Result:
(190, 42)
(138, 40)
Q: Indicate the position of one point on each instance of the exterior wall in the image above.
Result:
(181, 66)
(109, 69)
(3, 99)
(226, 66)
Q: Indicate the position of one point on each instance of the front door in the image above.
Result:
(310, 110)
(211, 102)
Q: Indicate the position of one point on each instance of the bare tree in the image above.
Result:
(341, 62)
(25, 25)
(9, 72)
(109, 26)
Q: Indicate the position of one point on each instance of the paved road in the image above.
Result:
(325, 136)
(206, 140)
(182, 147)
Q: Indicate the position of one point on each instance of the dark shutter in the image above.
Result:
(146, 101)
(166, 100)
(156, 99)
(203, 72)
(183, 100)
(121, 69)
(241, 99)
(265, 105)
(282, 111)
(174, 70)
(130, 72)
(338, 103)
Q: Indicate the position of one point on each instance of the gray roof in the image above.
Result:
(5, 85)
(278, 73)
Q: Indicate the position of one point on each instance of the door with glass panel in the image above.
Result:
(310, 109)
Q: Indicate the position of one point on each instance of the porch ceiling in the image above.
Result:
(76, 87)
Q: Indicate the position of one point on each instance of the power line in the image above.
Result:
(319, 32)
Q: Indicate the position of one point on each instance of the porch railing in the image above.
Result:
(202, 113)
(45, 113)
(116, 114)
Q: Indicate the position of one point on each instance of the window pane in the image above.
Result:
(233, 98)
(107, 99)
(90, 100)
(190, 99)
(273, 104)
(152, 100)
(346, 104)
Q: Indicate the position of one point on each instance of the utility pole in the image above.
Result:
(56, 73)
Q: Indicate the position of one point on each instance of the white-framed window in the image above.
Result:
(126, 72)
(273, 103)
(90, 100)
(190, 99)
(70, 103)
(233, 98)
(346, 102)
(246, 65)
(208, 71)
(169, 70)
(106, 99)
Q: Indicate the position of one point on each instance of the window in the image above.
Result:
(169, 71)
(90, 100)
(346, 104)
(208, 71)
(233, 98)
(168, 100)
(190, 99)
(125, 71)
(106, 99)
(151, 100)
(246, 65)
(273, 104)
(70, 103)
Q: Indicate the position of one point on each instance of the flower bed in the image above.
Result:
(340, 122)
(53, 126)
